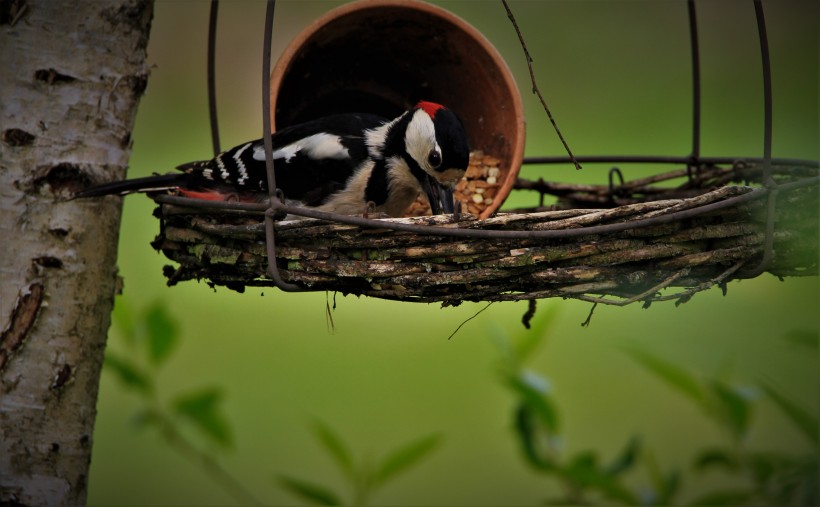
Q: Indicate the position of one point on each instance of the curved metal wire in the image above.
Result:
(212, 76)
(771, 187)
(270, 233)
(449, 230)
(613, 190)
(664, 159)
(693, 41)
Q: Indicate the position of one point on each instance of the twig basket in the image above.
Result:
(627, 253)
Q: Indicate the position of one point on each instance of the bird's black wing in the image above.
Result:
(312, 160)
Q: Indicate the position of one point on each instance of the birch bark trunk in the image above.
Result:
(71, 76)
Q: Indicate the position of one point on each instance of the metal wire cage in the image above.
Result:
(616, 243)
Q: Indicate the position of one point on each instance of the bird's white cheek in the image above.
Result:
(420, 139)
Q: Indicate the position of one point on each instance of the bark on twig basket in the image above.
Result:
(682, 247)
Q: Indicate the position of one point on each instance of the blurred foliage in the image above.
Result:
(151, 336)
(537, 425)
(584, 477)
(363, 479)
(766, 478)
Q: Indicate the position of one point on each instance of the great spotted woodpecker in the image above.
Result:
(338, 163)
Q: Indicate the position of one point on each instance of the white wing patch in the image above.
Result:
(317, 146)
(375, 138)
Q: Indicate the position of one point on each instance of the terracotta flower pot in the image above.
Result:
(382, 56)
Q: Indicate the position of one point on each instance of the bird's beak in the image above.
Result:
(441, 198)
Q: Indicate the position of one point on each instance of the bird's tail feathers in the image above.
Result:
(155, 183)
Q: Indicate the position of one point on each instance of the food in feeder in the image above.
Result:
(476, 190)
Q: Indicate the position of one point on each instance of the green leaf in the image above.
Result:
(162, 333)
(145, 418)
(806, 481)
(202, 409)
(804, 337)
(585, 473)
(583, 465)
(334, 445)
(716, 458)
(671, 485)
(764, 466)
(536, 418)
(721, 498)
(532, 438)
(627, 458)
(675, 376)
(665, 486)
(734, 408)
(312, 493)
(128, 373)
(533, 390)
(405, 457)
(801, 418)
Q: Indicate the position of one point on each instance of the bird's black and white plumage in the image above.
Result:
(338, 163)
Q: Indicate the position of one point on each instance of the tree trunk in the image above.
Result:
(72, 75)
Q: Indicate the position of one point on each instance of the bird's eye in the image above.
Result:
(434, 159)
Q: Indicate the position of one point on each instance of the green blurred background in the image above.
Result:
(616, 74)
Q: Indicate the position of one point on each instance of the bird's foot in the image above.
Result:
(457, 211)
(369, 208)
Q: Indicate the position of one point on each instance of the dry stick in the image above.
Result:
(703, 286)
(529, 314)
(535, 89)
(645, 295)
(587, 321)
(476, 314)
(331, 325)
(650, 297)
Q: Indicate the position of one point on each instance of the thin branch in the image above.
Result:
(529, 314)
(708, 284)
(588, 320)
(535, 89)
(329, 322)
(649, 294)
(476, 314)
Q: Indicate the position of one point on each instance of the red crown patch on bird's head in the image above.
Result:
(431, 108)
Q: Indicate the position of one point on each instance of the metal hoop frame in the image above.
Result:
(275, 207)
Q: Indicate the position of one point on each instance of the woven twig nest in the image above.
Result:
(630, 253)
